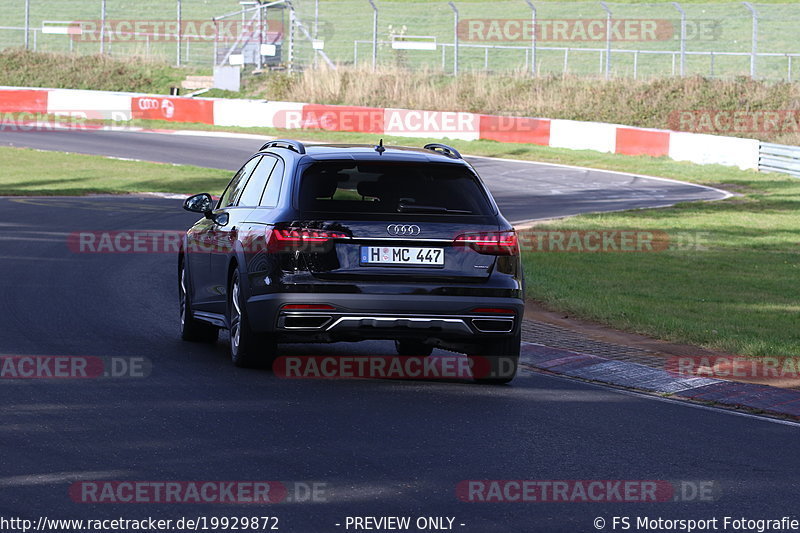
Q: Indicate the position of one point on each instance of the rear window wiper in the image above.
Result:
(403, 208)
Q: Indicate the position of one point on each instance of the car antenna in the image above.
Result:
(380, 149)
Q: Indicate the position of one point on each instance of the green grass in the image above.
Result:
(33, 172)
(736, 292)
(21, 68)
(342, 22)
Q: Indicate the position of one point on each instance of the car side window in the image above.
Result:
(252, 192)
(273, 190)
(231, 194)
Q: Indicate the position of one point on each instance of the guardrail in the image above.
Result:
(779, 158)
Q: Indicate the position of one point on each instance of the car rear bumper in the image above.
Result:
(359, 316)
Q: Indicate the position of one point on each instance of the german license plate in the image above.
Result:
(402, 256)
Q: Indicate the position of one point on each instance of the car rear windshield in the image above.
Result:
(392, 187)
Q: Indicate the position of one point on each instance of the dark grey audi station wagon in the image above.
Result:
(330, 243)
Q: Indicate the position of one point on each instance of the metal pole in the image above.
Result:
(374, 35)
(755, 39)
(635, 64)
(455, 38)
(533, 36)
(291, 39)
(259, 59)
(316, 28)
(677, 6)
(608, 39)
(180, 17)
(27, 22)
(790, 69)
(102, 27)
(216, 43)
(316, 19)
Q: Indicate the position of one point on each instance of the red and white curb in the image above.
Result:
(770, 400)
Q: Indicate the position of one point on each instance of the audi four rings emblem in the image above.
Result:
(403, 230)
(166, 106)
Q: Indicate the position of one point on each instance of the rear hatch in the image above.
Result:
(394, 220)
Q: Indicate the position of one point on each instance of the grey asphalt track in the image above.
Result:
(383, 448)
(524, 191)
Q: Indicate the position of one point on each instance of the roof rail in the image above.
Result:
(289, 144)
(449, 151)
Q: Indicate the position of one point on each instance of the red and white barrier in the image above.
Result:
(173, 109)
(432, 124)
(515, 129)
(601, 137)
(253, 113)
(23, 101)
(576, 135)
(640, 141)
(714, 149)
(93, 104)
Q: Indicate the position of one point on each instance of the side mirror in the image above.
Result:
(200, 203)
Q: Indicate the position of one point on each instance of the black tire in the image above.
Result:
(247, 348)
(496, 363)
(412, 348)
(192, 330)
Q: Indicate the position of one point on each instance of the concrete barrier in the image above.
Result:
(557, 133)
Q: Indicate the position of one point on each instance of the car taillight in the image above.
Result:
(308, 307)
(300, 239)
(490, 243)
(493, 311)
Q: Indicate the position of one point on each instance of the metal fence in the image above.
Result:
(779, 158)
(540, 38)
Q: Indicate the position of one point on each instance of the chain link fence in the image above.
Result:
(540, 38)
